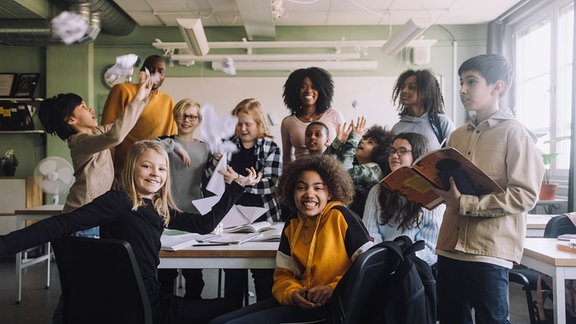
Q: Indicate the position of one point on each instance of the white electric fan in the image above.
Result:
(54, 176)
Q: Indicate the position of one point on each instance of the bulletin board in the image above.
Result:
(353, 96)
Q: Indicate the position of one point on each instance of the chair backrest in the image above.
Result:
(359, 289)
(101, 282)
(559, 225)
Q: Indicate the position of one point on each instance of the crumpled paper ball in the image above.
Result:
(69, 27)
(216, 130)
(124, 66)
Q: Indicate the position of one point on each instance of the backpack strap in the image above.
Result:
(435, 123)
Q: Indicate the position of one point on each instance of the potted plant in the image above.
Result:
(548, 190)
(9, 162)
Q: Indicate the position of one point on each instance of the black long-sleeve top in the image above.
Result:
(113, 212)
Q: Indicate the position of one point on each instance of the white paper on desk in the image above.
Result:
(238, 214)
(216, 184)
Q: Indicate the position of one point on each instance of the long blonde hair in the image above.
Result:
(253, 108)
(162, 199)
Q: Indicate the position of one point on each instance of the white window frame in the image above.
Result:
(559, 122)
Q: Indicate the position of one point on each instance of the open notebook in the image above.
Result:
(237, 216)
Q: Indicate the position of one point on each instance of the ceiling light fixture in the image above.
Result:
(293, 65)
(194, 35)
(409, 32)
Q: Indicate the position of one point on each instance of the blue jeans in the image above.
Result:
(465, 285)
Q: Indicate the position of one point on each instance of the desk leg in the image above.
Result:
(48, 259)
(19, 277)
(559, 295)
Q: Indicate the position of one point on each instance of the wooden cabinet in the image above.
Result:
(16, 193)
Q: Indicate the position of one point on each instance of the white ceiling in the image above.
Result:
(318, 12)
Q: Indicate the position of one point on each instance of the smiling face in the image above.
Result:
(395, 158)
(188, 121)
(311, 194)
(308, 93)
(316, 139)
(150, 173)
(83, 118)
(247, 129)
(364, 150)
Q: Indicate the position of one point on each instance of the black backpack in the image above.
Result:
(411, 290)
(387, 284)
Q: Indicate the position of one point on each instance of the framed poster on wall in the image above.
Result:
(6, 83)
(26, 85)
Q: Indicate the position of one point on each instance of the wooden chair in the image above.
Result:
(101, 282)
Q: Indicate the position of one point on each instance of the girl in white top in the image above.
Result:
(308, 95)
(388, 214)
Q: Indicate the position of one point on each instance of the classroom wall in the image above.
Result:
(80, 69)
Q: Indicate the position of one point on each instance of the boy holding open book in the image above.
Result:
(482, 236)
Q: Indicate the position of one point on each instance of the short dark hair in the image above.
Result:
(492, 67)
(428, 91)
(335, 177)
(322, 81)
(149, 60)
(55, 112)
(383, 139)
(319, 123)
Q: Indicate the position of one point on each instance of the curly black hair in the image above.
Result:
(321, 80)
(383, 139)
(335, 177)
(55, 112)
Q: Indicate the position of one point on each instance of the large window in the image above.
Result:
(543, 64)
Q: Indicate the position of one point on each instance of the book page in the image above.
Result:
(237, 216)
(439, 165)
(234, 238)
(250, 228)
(216, 184)
(413, 186)
(271, 234)
(174, 240)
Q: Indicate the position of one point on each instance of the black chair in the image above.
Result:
(358, 290)
(101, 282)
(527, 277)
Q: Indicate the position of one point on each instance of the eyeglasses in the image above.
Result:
(400, 151)
(191, 117)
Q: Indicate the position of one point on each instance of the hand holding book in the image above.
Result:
(434, 170)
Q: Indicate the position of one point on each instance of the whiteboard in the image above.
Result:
(353, 96)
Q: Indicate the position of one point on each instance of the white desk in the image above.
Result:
(250, 255)
(542, 254)
(22, 259)
(536, 223)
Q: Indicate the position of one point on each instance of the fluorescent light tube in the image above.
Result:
(194, 35)
(400, 39)
(293, 65)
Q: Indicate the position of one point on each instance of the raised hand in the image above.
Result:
(342, 132)
(360, 126)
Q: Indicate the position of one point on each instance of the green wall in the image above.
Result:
(79, 69)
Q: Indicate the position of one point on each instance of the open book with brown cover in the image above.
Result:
(434, 170)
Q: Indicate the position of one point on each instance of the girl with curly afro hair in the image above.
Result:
(318, 244)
